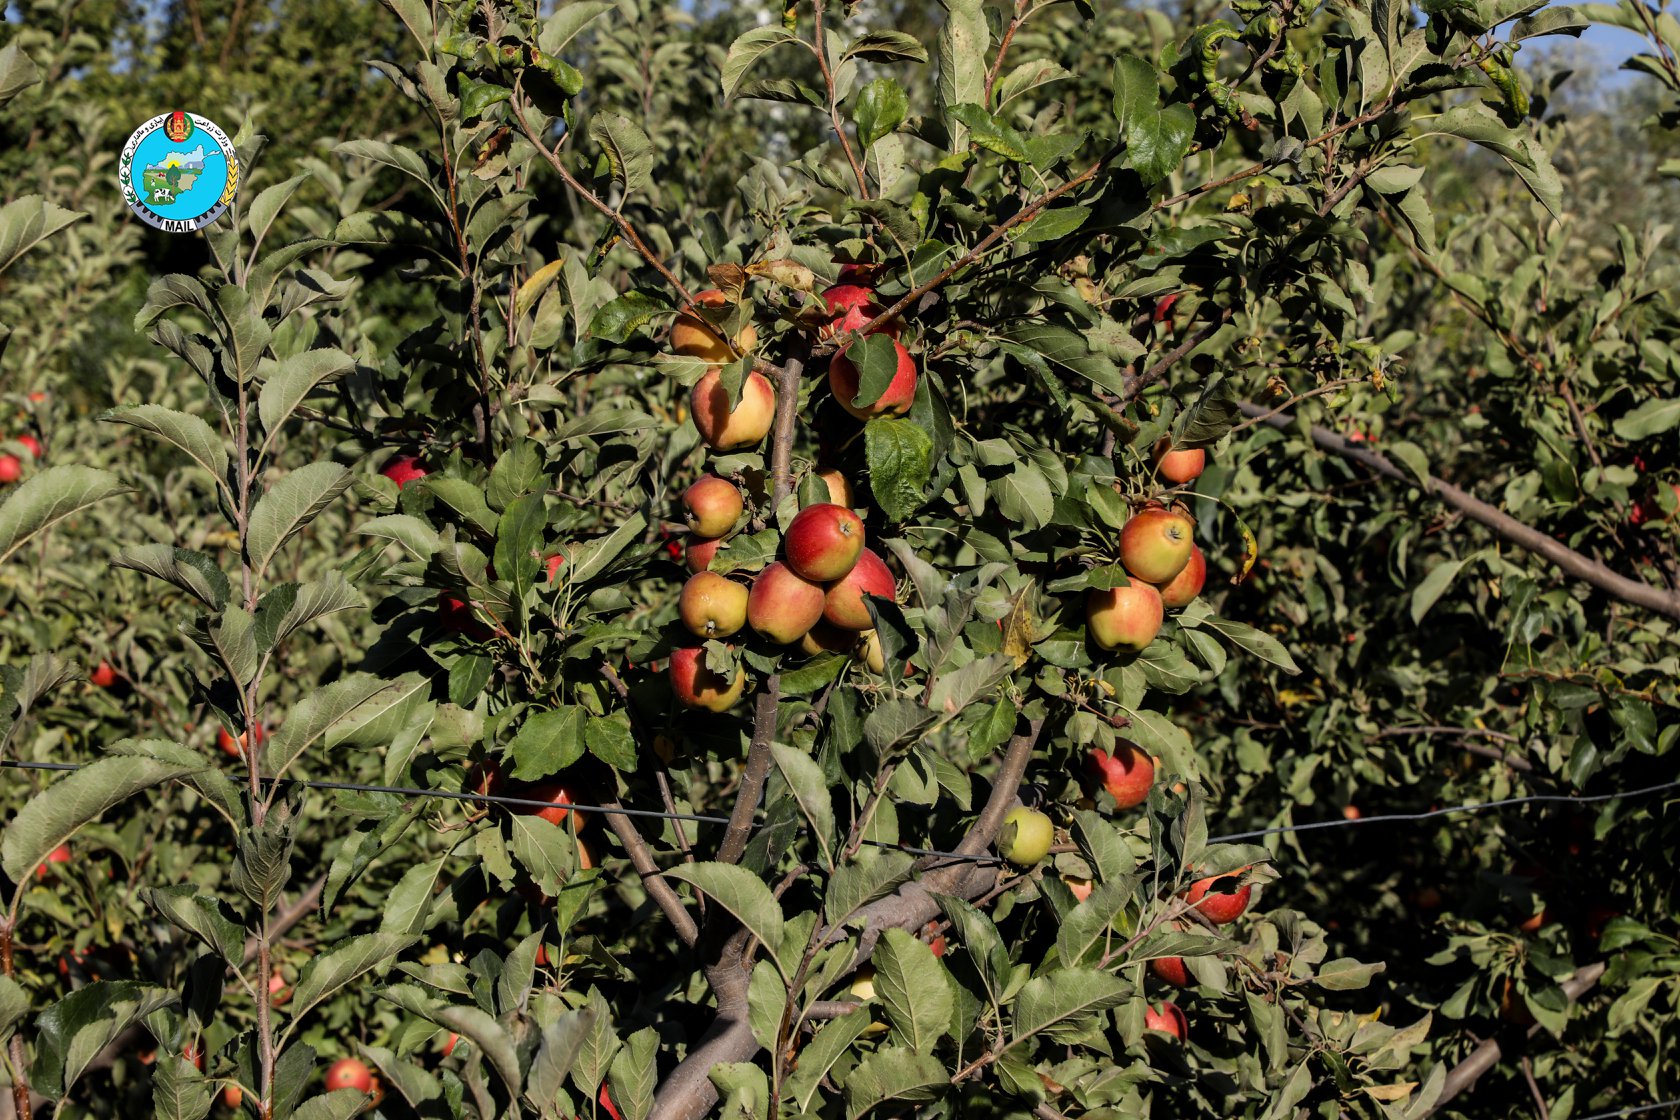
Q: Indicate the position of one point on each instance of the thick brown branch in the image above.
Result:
(1462, 1077)
(739, 830)
(1572, 563)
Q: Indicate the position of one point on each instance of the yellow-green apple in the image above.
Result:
(723, 428)
(862, 988)
(825, 637)
(823, 541)
(694, 337)
(843, 381)
(783, 605)
(869, 647)
(1155, 544)
(1182, 589)
(1219, 906)
(1179, 465)
(103, 676)
(839, 487)
(1126, 774)
(843, 605)
(1124, 617)
(714, 505)
(349, 1073)
(698, 553)
(712, 606)
(403, 470)
(697, 686)
(1166, 1018)
(1172, 970)
(1025, 837)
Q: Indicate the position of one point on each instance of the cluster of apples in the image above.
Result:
(1159, 552)
(815, 595)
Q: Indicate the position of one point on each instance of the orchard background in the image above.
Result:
(382, 476)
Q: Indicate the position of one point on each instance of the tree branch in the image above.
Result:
(1572, 563)
(739, 830)
(1462, 1077)
(1136, 385)
(658, 889)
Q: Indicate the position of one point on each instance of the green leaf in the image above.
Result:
(1433, 586)
(628, 150)
(26, 222)
(634, 1074)
(477, 97)
(335, 705)
(743, 894)
(610, 740)
(561, 1042)
(810, 789)
(1157, 143)
(878, 110)
(822, 1052)
(915, 988)
(748, 49)
(406, 906)
(519, 541)
(14, 1005)
(72, 1032)
(290, 506)
(622, 317)
(1654, 417)
(1260, 644)
(51, 817)
(17, 71)
(1346, 974)
(179, 1090)
(1137, 90)
(899, 454)
(202, 915)
(886, 46)
(1207, 419)
(893, 1074)
(1027, 77)
(341, 1104)
(991, 133)
(964, 43)
(193, 572)
(406, 160)
(545, 849)
(187, 432)
(568, 20)
(266, 207)
(1085, 932)
(548, 742)
(290, 381)
(1058, 1003)
(329, 971)
(589, 559)
(1053, 225)
(1024, 495)
(48, 498)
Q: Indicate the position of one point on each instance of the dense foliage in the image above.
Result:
(380, 484)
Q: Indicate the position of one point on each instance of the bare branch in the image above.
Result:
(1572, 563)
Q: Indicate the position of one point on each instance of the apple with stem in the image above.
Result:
(1155, 544)
(823, 542)
(712, 606)
(714, 505)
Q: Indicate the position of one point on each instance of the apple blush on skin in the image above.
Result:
(349, 1073)
(1167, 1018)
(1127, 774)
(1124, 618)
(1218, 907)
(843, 603)
(1182, 589)
(823, 542)
(712, 606)
(692, 336)
(844, 380)
(1155, 544)
(783, 605)
(726, 429)
(696, 686)
(713, 506)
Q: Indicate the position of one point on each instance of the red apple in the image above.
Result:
(606, 1103)
(278, 994)
(103, 676)
(232, 1097)
(457, 616)
(236, 749)
(843, 381)
(713, 504)
(843, 605)
(699, 552)
(450, 1042)
(194, 1053)
(1155, 544)
(1218, 907)
(724, 429)
(349, 1073)
(694, 337)
(823, 542)
(1124, 617)
(1182, 589)
(557, 794)
(699, 687)
(32, 445)
(403, 470)
(11, 468)
(1167, 1018)
(712, 606)
(1179, 465)
(60, 854)
(783, 605)
(1126, 775)
(553, 565)
(851, 306)
(1172, 970)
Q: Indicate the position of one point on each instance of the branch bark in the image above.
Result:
(658, 889)
(1502, 524)
(1462, 1077)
